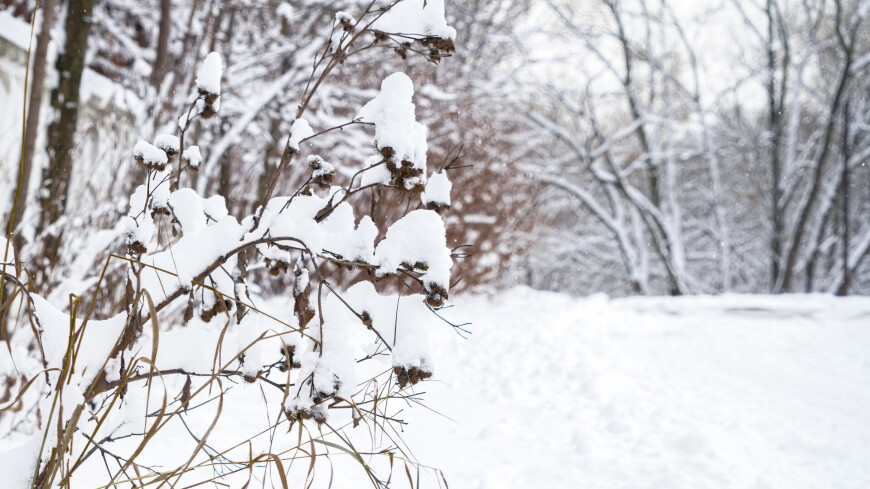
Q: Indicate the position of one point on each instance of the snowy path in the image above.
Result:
(729, 392)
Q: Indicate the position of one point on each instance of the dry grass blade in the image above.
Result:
(25, 387)
(155, 427)
(11, 227)
(444, 479)
(4, 328)
(95, 399)
(408, 473)
(250, 465)
(352, 452)
(155, 343)
(201, 442)
(281, 472)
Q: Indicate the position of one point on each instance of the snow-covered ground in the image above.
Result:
(555, 392)
(725, 392)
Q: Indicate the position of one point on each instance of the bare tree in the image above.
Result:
(804, 181)
(673, 169)
(628, 168)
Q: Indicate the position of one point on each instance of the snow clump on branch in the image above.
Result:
(208, 82)
(437, 194)
(421, 17)
(149, 155)
(400, 139)
(186, 253)
(208, 78)
(168, 143)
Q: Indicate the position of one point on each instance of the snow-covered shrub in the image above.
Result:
(193, 343)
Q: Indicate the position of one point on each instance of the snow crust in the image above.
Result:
(699, 392)
(188, 209)
(351, 242)
(725, 392)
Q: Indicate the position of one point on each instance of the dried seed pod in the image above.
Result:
(159, 211)
(185, 394)
(418, 265)
(289, 352)
(441, 44)
(404, 176)
(302, 288)
(167, 143)
(276, 267)
(317, 413)
(322, 172)
(188, 311)
(438, 207)
(136, 248)
(193, 157)
(345, 21)
(436, 295)
(412, 375)
(366, 319)
(209, 312)
(150, 156)
(208, 112)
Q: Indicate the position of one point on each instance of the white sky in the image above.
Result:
(724, 45)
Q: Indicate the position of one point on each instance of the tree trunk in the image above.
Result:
(161, 59)
(844, 192)
(65, 100)
(31, 129)
(804, 217)
(776, 105)
(270, 163)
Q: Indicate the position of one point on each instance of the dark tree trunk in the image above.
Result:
(844, 193)
(777, 88)
(65, 100)
(804, 217)
(28, 146)
(161, 60)
(270, 163)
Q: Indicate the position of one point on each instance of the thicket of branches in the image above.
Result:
(259, 203)
(282, 230)
(267, 48)
(606, 145)
(720, 147)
